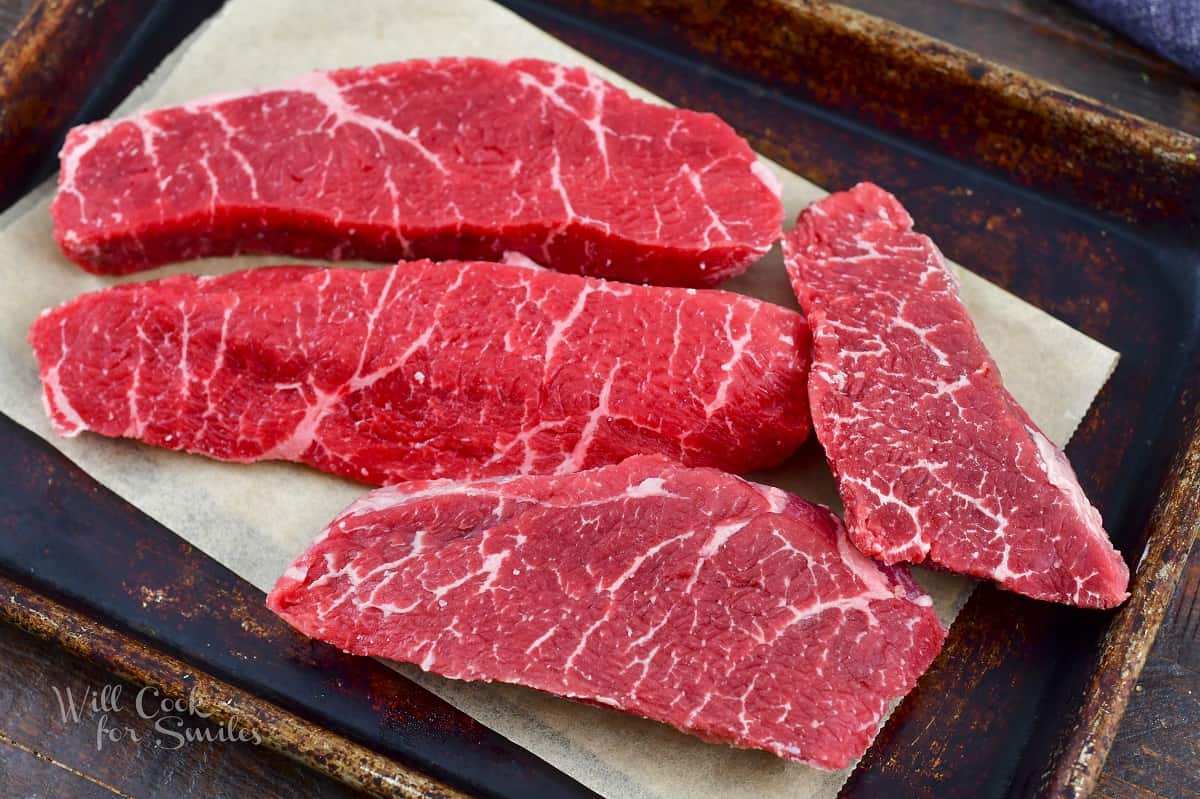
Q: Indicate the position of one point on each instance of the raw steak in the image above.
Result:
(733, 611)
(453, 158)
(429, 370)
(935, 460)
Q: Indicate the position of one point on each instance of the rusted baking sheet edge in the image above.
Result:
(279, 730)
(1174, 528)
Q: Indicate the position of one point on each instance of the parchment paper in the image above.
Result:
(256, 518)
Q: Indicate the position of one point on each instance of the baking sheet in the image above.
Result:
(256, 518)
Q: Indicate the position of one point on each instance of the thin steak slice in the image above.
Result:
(733, 611)
(934, 458)
(429, 370)
(453, 158)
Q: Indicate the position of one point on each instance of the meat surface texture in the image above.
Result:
(453, 158)
(424, 370)
(935, 460)
(733, 611)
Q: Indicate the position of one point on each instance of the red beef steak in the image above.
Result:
(429, 370)
(936, 462)
(453, 158)
(733, 611)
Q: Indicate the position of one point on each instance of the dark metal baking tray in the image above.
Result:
(1086, 212)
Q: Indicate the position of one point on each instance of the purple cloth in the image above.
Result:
(1169, 27)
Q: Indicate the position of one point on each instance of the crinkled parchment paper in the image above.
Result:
(256, 518)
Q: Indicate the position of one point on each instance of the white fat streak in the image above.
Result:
(583, 642)
(873, 579)
(721, 534)
(442, 590)
(650, 487)
(79, 143)
(876, 587)
(491, 568)
(579, 454)
(541, 639)
(305, 432)
(561, 325)
(67, 421)
(595, 87)
(718, 538)
(767, 177)
(295, 572)
(520, 260)
(322, 87)
(402, 494)
(54, 400)
(777, 499)
(230, 133)
(737, 350)
(557, 183)
(715, 222)
(1060, 474)
(642, 558)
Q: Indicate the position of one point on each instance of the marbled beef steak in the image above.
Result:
(936, 462)
(733, 611)
(427, 370)
(452, 158)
